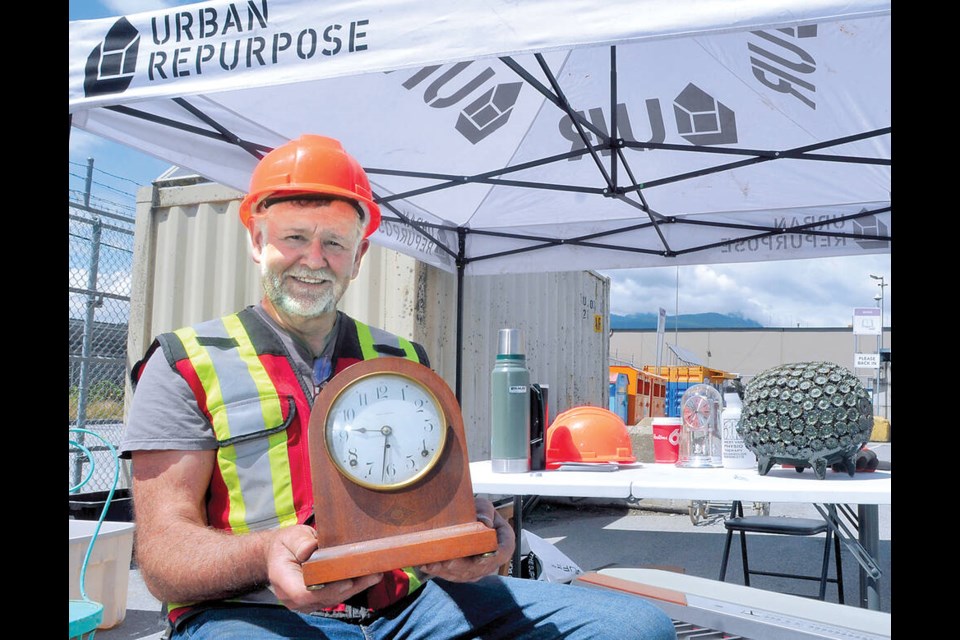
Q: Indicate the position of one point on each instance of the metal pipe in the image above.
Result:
(880, 284)
(92, 304)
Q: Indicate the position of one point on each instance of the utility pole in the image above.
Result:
(86, 348)
(879, 300)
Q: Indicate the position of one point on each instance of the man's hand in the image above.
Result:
(473, 568)
(291, 547)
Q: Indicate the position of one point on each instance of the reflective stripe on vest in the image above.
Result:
(370, 336)
(246, 413)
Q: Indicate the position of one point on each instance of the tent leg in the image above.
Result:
(461, 266)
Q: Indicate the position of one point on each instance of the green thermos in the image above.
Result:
(510, 406)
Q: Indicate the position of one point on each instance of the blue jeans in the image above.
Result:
(494, 608)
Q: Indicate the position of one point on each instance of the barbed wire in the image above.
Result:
(97, 202)
(103, 185)
(106, 173)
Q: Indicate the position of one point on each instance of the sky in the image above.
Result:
(821, 292)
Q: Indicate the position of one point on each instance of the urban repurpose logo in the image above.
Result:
(112, 63)
(211, 40)
(872, 229)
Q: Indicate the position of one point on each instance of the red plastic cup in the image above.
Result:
(666, 439)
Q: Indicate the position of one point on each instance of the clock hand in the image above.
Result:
(365, 430)
(385, 430)
(383, 468)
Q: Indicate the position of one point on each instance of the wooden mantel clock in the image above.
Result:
(391, 476)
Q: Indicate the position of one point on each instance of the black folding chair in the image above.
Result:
(789, 526)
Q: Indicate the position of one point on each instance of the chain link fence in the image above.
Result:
(100, 266)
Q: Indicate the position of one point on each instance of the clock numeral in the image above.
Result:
(390, 470)
(348, 415)
(411, 462)
(361, 399)
(428, 427)
(352, 457)
(382, 391)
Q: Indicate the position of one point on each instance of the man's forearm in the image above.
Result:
(187, 563)
(180, 557)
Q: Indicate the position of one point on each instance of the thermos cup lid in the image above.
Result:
(510, 342)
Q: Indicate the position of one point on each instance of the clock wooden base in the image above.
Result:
(405, 550)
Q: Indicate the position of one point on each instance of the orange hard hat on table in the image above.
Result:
(588, 434)
(311, 164)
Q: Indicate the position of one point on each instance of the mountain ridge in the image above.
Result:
(683, 321)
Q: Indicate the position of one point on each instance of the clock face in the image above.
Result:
(385, 431)
(700, 408)
(696, 413)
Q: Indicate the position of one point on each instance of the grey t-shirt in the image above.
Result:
(164, 413)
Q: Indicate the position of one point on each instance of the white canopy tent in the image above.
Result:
(508, 137)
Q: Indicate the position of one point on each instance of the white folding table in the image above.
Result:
(831, 496)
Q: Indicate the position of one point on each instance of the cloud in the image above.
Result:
(83, 144)
(820, 292)
(126, 7)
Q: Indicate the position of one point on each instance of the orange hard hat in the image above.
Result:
(311, 164)
(588, 434)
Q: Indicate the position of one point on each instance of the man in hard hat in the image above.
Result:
(217, 434)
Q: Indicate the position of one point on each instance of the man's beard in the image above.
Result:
(315, 306)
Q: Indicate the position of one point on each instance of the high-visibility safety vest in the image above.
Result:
(246, 385)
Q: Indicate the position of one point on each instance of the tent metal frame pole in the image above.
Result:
(255, 150)
(615, 140)
(461, 266)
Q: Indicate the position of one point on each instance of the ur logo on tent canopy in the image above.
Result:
(112, 63)
(483, 115)
(701, 119)
(871, 225)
